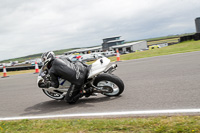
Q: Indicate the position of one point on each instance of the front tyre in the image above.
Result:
(52, 95)
(112, 81)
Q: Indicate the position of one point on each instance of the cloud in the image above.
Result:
(29, 27)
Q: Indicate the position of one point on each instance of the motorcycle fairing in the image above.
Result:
(98, 66)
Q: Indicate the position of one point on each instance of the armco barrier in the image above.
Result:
(18, 68)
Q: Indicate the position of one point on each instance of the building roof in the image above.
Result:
(84, 49)
(114, 41)
(88, 49)
(111, 37)
(127, 44)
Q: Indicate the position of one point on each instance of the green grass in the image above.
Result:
(21, 59)
(170, 40)
(29, 57)
(163, 37)
(188, 46)
(175, 124)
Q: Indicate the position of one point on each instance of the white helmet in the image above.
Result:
(47, 57)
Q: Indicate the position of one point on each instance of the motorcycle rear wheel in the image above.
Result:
(112, 81)
(52, 95)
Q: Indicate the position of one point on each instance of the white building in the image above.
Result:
(130, 47)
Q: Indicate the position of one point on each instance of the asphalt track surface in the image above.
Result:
(157, 83)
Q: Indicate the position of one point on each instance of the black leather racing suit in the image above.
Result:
(75, 73)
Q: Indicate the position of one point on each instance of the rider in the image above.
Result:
(63, 68)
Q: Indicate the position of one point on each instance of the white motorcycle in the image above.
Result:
(100, 80)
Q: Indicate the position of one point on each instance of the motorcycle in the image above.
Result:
(100, 80)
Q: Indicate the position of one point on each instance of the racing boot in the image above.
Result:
(88, 92)
(73, 94)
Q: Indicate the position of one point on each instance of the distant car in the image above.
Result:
(154, 47)
(27, 62)
(87, 57)
(83, 57)
(108, 53)
(97, 55)
(78, 56)
(125, 52)
(71, 57)
(90, 57)
(32, 63)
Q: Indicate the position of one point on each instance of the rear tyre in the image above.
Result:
(112, 81)
(52, 95)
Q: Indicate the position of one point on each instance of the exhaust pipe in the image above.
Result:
(111, 69)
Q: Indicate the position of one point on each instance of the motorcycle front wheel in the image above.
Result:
(111, 81)
(52, 95)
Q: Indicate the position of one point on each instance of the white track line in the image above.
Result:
(148, 112)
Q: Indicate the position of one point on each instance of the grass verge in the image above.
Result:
(173, 124)
(164, 41)
(188, 46)
(18, 72)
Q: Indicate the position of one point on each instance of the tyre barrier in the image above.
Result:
(18, 68)
(195, 37)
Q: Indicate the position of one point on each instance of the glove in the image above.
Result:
(46, 84)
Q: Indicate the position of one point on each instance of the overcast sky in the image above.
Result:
(35, 26)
